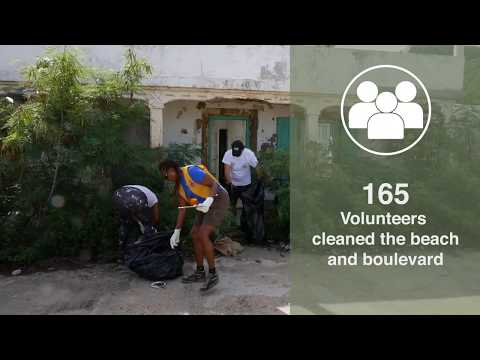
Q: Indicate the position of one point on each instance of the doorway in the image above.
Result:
(222, 131)
(222, 149)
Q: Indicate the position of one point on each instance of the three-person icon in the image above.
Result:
(386, 115)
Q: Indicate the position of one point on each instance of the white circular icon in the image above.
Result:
(385, 116)
(367, 91)
(406, 91)
(386, 102)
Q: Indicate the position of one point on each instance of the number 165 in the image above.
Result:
(385, 194)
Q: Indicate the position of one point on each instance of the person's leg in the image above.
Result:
(206, 231)
(243, 216)
(204, 234)
(123, 233)
(199, 274)
(212, 220)
(234, 195)
(125, 228)
(197, 246)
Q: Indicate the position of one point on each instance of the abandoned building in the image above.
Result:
(211, 95)
(203, 95)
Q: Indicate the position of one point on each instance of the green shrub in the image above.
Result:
(86, 220)
(64, 152)
(274, 170)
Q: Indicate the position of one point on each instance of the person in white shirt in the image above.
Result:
(237, 167)
(138, 208)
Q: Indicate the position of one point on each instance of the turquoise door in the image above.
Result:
(283, 133)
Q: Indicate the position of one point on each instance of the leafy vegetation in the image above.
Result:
(274, 171)
(64, 151)
(441, 172)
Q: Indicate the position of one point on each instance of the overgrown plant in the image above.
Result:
(441, 173)
(275, 173)
(62, 152)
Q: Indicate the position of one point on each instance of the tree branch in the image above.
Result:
(54, 182)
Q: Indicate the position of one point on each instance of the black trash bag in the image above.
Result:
(153, 259)
(252, 218)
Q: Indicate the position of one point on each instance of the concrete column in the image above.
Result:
(313, 108)
(312, 127)
(156, 124)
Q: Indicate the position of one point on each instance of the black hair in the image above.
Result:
(238, 143)
(169, 164)
(237, 148)
(166, 165)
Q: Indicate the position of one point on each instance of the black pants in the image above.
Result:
(236, 193)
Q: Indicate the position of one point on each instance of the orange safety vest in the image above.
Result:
(192, 192)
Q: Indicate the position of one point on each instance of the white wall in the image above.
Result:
(244, 67)
(182, 114)
(178, 116)
(267, 123)
(250, 67)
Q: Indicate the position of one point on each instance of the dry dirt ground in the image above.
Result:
(254, 282)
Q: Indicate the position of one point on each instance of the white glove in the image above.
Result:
(205, 206)
(175, 239)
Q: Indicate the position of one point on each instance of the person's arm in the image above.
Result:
(156, 214)
(227, 167)
(252, 159)
(213, 186)
(181, 213)
(228, 173)
(211, 183)
(175, 238)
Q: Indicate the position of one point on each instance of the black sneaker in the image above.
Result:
(211, 282)
(197, 276)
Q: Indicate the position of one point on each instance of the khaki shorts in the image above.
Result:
(216, 213)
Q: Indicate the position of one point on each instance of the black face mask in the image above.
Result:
(237, 148)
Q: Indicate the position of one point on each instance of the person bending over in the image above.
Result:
(196, 186)
(139, 212)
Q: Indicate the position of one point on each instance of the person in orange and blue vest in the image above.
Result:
(196, 186)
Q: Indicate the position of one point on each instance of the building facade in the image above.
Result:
(211, 95)
(203, 95)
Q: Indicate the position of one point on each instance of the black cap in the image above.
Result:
(237, 148)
